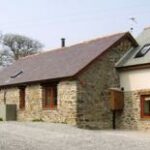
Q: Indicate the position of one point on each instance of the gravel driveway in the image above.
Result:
(44, 136)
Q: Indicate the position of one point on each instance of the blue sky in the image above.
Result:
(76, 20)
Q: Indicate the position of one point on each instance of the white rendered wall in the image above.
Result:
(135, 79)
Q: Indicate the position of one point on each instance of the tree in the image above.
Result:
(17, 46)
(6, 57)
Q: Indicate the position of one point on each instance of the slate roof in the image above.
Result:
(129, 60)
(60, 63)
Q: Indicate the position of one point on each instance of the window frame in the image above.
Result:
(49, 90)
(139, 53)
(142, 98)
(22, 97)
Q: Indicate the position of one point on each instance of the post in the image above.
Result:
(114, 119)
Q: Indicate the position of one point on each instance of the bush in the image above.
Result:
(37, 120)
(1, 119)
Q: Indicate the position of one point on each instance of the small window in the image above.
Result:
(143, 51)
(49, 96)
(145, 106)
(16, 74)
(22, 98)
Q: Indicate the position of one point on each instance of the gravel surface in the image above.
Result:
(48, 136)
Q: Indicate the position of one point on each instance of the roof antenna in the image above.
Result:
(133, 20)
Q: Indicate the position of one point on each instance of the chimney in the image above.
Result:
(62, 42)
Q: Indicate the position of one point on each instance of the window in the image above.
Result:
(145, 106)
(143, 51)
(16, 74)
(22, 97)
(50, 96)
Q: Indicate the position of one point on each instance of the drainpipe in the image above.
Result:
(5, 92)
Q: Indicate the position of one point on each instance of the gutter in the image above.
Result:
(133, 67)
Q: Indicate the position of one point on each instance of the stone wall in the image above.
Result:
(66, 108)
(67, 98)
(93, 84)
(33, 103)
(12, 94)
(130, 117)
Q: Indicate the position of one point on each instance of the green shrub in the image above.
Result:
(1, 119)
(37, 120)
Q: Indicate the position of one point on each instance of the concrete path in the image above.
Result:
(48, 136)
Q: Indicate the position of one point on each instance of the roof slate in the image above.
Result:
(56, 64)
(129, 58)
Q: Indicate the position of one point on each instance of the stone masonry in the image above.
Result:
(66, 109)
(130, 117)
(93, 95)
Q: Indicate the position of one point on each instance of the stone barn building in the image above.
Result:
(68, 85)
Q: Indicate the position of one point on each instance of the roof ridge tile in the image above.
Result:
(67, 47)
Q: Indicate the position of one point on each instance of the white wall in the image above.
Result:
(135, 79)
